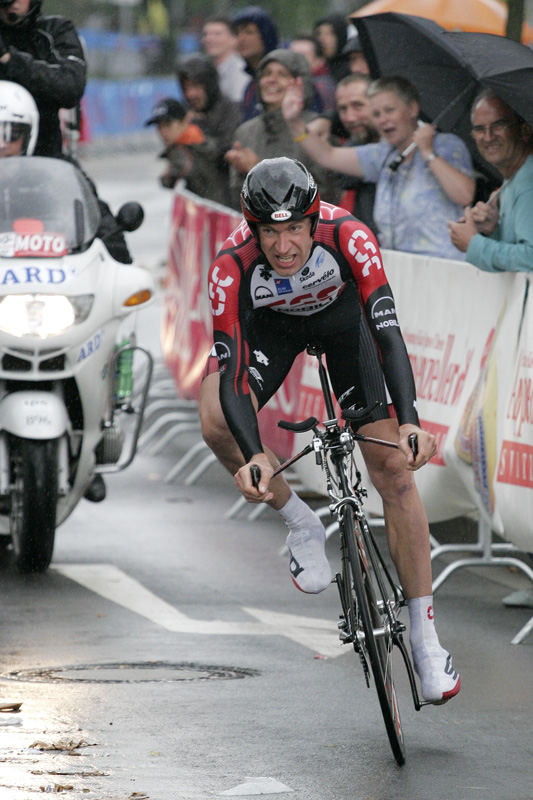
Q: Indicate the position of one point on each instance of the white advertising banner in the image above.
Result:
(461, 329)
(513, 478)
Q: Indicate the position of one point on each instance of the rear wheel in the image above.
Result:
(33, 503)
(377, 640)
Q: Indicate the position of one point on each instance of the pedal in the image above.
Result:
(344, 635)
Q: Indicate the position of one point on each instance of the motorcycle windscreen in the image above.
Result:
(47, 208)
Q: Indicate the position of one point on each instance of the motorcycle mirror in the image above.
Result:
(130, 216)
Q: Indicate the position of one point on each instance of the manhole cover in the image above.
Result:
(136, 672)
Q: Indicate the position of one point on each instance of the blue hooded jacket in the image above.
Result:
(250, 106)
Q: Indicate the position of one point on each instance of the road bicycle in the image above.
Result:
(370, 598)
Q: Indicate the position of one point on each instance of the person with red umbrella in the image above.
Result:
(498, 235)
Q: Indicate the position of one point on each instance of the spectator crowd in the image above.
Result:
(250, 94)
(254, 95)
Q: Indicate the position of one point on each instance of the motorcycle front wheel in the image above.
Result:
(33, 503)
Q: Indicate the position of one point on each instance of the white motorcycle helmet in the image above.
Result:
(18, 116)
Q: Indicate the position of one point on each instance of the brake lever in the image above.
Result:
(413, 444)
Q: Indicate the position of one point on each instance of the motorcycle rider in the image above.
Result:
(19, 127)
(44, 54)
(19, 121)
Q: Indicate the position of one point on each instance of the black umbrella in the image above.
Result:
(500, 64)
(448, 69)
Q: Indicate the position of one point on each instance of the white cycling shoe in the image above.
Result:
(308, 565)
(438, 679)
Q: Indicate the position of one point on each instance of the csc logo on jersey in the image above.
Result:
(217, 295)
(365, 252)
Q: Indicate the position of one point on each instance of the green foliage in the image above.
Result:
(291, 16)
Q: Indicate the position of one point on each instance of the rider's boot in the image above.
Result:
(96, 490)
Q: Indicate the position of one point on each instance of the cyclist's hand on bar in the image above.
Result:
(243, 479)
(417, 445)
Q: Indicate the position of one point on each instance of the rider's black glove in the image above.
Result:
(3, 48)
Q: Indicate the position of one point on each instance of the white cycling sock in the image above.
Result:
(439, 681)
(422, 634)
(306, 541)
(295, 512)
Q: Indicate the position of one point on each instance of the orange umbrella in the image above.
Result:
(485, 16)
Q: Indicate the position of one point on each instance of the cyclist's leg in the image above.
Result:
(308, 564)
(407, 526)
(358, 380)
(408, 538)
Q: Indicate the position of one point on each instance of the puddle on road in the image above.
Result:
(43, 751)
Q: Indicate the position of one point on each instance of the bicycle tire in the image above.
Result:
(377, 648)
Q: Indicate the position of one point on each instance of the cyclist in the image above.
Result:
(298, 271)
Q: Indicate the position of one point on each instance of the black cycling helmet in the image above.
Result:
(277, 190)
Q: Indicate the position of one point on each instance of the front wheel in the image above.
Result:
(33, 502)
(376, 640)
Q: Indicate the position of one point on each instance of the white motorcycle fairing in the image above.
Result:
(34, 415)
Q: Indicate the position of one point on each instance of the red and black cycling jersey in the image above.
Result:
(243, 287)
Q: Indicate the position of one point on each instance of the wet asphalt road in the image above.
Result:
(166, 654)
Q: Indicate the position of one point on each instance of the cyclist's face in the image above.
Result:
(286, 245)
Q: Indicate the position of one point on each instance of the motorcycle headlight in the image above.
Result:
(42, 315)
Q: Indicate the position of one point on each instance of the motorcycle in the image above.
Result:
(63, 302)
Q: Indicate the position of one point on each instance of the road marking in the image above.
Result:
(110, 582)
(258, 786)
